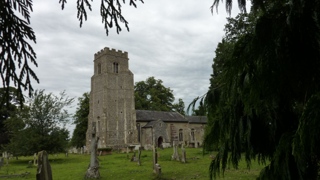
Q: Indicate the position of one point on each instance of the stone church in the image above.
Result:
(113, 118)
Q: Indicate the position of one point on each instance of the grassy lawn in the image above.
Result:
(118, 166)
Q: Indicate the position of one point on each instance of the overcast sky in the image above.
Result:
(171, 40)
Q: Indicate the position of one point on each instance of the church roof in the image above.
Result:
(151, 124)
(147, 115)
(197, 119)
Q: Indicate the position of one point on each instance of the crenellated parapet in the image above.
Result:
(111, 52)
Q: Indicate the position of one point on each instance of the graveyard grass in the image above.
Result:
(119, 166)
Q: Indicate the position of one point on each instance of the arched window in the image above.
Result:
(192, 134)
(180, 135)
(115, 67)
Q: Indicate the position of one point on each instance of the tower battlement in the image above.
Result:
(112, 52)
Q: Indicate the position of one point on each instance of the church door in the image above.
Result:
(160, 140)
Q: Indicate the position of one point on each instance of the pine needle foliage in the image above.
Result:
(264, 99)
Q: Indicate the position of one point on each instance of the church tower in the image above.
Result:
(112, 110)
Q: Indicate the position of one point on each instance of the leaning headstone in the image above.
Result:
(93, 169)
(183, 154)
(175, 155)
(44, 168)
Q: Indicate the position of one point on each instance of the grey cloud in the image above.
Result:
(170, 40)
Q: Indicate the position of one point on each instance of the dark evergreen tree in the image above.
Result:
(264, 93)
(81, 121)
(8, 108)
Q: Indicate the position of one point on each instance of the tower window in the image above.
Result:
(115, 67)
(99, 68)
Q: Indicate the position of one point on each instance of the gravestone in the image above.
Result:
(183, 154)
(158, 169)
(133, 158)
(29, 164)
(175, 155)
(5, 155)
(1, 162)
(44, 168)
(93, 169)
(35, 159)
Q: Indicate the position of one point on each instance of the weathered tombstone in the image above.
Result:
(1, 162)
(158, 169)
(35, 159)
(93, 169)
(175, 155)
(44, 168)
(29, 164)
(100, 152)
(6, 156)
(139, 156)
(133, 158)
(183, 154)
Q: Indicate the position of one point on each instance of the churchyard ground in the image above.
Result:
(118, 166)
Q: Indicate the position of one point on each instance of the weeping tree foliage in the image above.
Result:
(264, 98)
(17, 55)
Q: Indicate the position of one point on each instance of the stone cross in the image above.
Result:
(44, 168)
(156, 166)
(93, 170)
